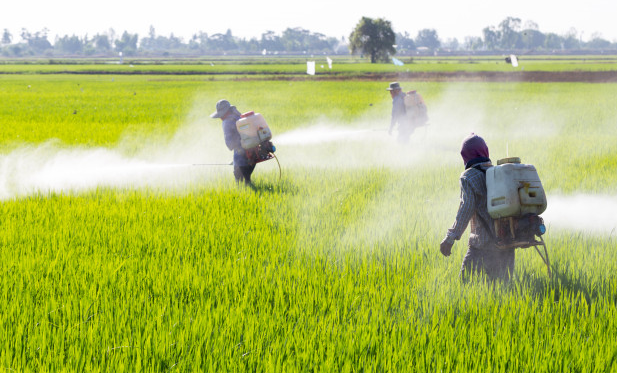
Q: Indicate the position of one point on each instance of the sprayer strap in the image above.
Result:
(478, 167)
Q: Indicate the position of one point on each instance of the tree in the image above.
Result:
(298, 39)
(509, 28)
(149, 43)
(597, 42)
(373, 37)
(472, 43)
(251, 45)
(199, 41)
(428, 38)
(404, 42)
(553, 41)
(160, 44)
(69, 44)
(222, 42)
(451, 44)
(127, 44)
(15, 50)
(111, 33)
(6, 37)
(293, 39)
(101, 43)
(491, 37)
(270, 41)
(38, 41)
(571, 40)
(532, 39)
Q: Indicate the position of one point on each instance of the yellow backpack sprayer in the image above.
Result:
(515, 200)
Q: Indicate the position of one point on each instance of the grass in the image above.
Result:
(330, 269)
(293, 66)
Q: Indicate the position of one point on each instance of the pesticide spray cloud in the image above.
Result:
(459, 110)
(51, 167)
(582, 212)
(365, 143)
(322, 134)
(362, 145)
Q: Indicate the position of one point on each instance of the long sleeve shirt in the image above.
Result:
(232, 140)
(473, 208)
(398, 109)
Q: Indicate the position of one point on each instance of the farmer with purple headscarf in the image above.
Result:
(482, 254)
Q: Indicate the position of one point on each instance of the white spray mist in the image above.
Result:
(51, 167)
(583, 213)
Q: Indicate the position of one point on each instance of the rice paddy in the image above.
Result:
(117, 254)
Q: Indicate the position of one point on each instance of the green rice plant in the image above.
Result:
(334, 267)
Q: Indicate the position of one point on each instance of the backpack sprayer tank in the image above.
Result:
(415, 109)
(515, 199)
(255, 136)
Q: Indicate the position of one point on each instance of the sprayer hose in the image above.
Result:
(277, 162)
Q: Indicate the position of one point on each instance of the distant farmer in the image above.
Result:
(399, 113)
(243, 167)
(482, 256)
(408, 111)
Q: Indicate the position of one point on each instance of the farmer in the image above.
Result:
(243, 167)
(399, 113)
(482, 255)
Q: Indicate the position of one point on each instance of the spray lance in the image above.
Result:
(213, 164)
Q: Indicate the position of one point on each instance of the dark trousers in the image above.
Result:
(495, 264)
(243, 173)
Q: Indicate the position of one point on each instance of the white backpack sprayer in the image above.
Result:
(515, 200)
(255, 136)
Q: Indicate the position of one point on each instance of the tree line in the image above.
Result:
(375, 38)
(292, 40)
(508, 36)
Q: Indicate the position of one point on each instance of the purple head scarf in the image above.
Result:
(474, 149)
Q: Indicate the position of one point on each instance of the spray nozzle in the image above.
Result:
(541, 229)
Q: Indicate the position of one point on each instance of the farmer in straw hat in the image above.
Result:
(243, 167)
(399, 113)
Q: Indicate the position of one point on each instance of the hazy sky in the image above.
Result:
(251, 18)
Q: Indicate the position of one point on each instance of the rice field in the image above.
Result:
(119, 255)
(344, 66)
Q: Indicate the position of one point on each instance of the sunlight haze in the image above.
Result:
(246, 19)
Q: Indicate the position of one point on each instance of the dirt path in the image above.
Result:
(454, 76)
(520, 76)
(477, 76)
